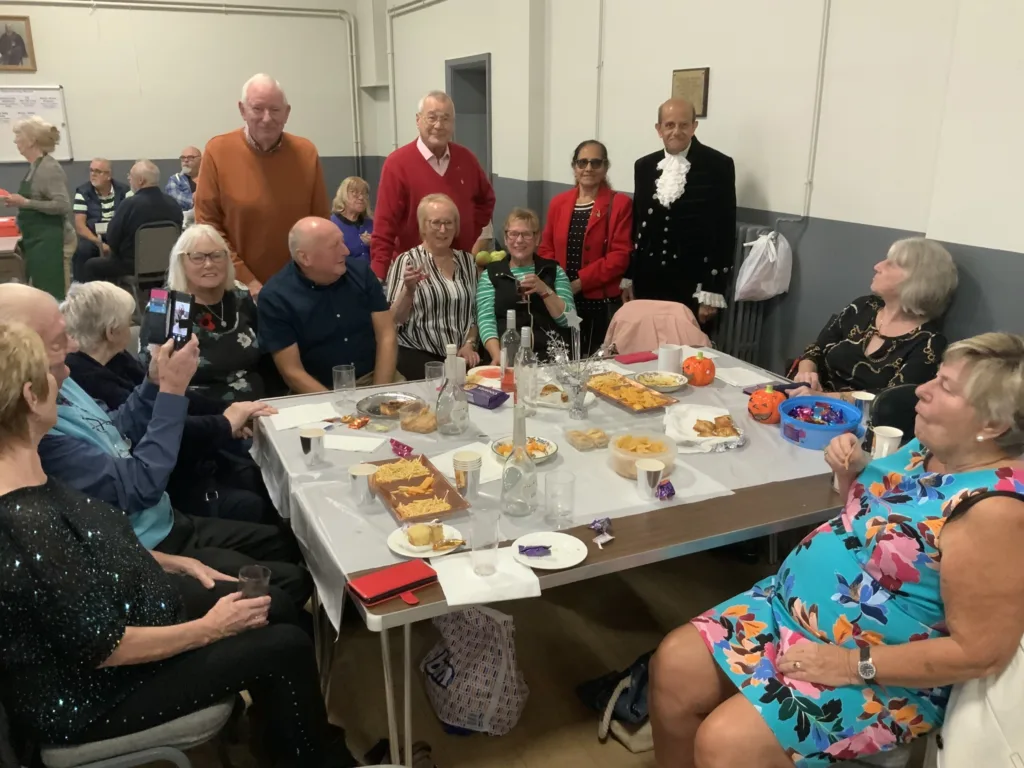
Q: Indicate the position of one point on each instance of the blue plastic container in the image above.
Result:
(816, 436)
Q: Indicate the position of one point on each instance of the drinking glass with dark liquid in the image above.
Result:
(521, 289)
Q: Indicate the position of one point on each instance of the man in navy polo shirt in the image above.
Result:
(322, 310)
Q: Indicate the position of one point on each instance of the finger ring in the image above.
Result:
(796, 665)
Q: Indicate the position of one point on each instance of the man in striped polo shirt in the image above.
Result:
(95, 204)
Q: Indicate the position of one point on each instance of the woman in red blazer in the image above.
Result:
(589, 233)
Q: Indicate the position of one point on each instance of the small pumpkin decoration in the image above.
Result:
(699, 370)
(763, 405)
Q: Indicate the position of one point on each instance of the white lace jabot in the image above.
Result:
(672, 182)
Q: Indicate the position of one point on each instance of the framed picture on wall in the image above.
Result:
(16, 51)
(692, 85)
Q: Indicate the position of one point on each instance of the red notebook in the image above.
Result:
(636, 357)
(397, 581)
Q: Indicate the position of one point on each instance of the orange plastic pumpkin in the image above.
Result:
(699, 370)
(764, 404)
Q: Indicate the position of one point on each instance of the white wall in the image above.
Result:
(144, 83)
(920, 113)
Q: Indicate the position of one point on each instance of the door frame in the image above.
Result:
(473, 62)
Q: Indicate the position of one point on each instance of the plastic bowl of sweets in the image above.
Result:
(812, 421)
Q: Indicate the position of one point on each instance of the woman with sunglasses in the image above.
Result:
(432, 292)
(588, 232)
(537, 289)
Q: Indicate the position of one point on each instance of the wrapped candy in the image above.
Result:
(666, 490)
(603, 526)
(537, 550)
(400, 449)
(819, 413)
(359, 423)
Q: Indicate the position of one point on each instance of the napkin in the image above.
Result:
(636, 357)
(618, 369)
(511, 580)
(490, 469)
(353, 443)
(689, 351)
(679, 421)
(743, 377)
(300, 415)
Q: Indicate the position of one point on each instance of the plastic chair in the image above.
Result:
(153, 244)
(894, 407)
(644, 325)
(165, 742)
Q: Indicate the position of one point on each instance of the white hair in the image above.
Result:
(92, 309)
(262, 79)
(437, 96)
(146, 172)
(931, 276)
(188, 240)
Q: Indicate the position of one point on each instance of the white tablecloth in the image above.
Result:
(340, 539)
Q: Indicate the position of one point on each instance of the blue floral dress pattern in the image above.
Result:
(868, 576)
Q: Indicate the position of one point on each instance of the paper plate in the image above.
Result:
(554, 399)
(550, 445)
(679, 421)
(399, 544)
(566, 550)
(485, 375)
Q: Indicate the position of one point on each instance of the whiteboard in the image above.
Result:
(47, 101)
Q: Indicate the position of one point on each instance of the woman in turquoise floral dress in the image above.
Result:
(851, 648)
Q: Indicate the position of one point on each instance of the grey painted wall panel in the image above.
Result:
(832, 259)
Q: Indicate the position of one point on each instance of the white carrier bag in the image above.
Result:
(984, 726)
(766, 270)
(472, 678)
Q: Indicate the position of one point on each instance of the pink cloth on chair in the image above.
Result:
(645, 325)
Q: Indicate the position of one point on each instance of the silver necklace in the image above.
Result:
(220, 317)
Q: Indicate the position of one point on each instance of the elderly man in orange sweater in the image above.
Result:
(431, 164)
(258, 181)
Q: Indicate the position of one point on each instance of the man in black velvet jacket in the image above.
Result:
(684, 218)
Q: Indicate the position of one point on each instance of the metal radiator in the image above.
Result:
(739, 329)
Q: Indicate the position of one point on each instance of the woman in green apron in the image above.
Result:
(43, 206)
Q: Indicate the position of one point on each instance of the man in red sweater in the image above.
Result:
(433, 163)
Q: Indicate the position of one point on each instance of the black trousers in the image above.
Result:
(198, 600)
(275, 664)
(105, 268)
(412, 362)
(227, 545)
(596, 317)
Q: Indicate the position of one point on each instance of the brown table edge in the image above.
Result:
(660, 535)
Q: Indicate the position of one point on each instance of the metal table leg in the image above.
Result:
(389, 697)
(773, 549)
(324, 640)
(407, 653)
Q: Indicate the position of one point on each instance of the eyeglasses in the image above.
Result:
(99, 172)
(440, 224)
(593, 162)
(519, 235)
(433, 118)
(215, 257)
(185, 158)
(358, 193)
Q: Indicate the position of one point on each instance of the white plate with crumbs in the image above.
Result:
(566, 551)
(398, 542)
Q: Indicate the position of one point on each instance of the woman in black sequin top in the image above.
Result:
(95, 639)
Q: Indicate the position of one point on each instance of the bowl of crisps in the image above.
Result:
(625, 448)
(661, 381)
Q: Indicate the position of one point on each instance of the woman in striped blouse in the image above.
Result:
(537, 289)
(432, 292)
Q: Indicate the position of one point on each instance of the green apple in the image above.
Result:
(497, 255)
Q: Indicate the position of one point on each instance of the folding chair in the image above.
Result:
(153, 244)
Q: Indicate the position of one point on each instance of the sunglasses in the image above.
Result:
(594, 162)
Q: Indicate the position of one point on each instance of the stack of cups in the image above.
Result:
(467, 466)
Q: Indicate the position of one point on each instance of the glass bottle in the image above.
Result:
(509, 350)
(526, 371)
(519, 477)
(452, 402)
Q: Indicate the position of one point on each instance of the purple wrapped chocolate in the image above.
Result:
(400, 449)
(665, 490)
(485, 397)
(603, 525)
(537, 550)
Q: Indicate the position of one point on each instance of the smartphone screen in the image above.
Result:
(181, 319)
